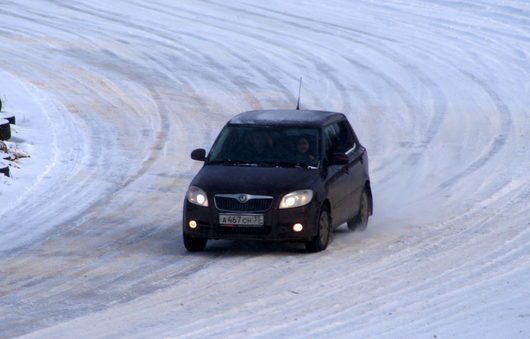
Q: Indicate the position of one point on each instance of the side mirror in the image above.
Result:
(339, 159)
(198, 154)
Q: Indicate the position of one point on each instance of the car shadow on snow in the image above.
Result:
(257, 247)
(252, 247)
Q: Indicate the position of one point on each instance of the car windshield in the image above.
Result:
(278, 146)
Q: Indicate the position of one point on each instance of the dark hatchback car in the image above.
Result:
(292, 175)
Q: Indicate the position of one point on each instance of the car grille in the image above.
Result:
(251, 205)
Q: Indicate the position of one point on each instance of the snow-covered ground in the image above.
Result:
(111, 97)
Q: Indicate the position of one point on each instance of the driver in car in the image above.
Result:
(259, 145)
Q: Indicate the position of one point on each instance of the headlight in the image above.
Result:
(296, 199)
(197, 196)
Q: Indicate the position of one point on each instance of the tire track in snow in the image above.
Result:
(380, 261)
(497, 143)
(431, 128)
(439, 100)
(98, 131)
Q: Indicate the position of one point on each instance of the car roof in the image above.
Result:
(286, 117)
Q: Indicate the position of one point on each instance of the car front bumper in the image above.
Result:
(278, 224)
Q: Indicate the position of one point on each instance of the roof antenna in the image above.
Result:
(299, 89)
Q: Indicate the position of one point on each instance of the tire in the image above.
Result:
(321, 240)
(9, 117)
(360, 222)
(5, 129)
(193, 244)
(4, 168)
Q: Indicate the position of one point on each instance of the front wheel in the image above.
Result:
(321, 239)
(360, 222)
(193, 244)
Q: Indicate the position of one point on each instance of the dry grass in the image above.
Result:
(3, 147)
(13, 151)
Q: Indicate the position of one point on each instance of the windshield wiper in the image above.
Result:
(283, 164)
(230, 162)
(268, 163)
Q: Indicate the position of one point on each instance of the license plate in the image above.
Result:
(240, 220)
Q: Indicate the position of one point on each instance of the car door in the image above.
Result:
(356, 167)
(338, 179)
(348, 145)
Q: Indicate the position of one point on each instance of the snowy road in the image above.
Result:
(116, 96)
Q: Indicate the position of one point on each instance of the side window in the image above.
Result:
(330, 140)
(338, 138)
(345, 137)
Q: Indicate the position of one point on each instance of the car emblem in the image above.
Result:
(243, 198)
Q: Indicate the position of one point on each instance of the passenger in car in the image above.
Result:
(303, 150)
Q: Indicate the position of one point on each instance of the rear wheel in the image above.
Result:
(194, 244)
(360, 222)
(321, 239)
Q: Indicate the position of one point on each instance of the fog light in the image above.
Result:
(298, 227)
(192, 224)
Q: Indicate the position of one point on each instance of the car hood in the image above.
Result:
(219, 179)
